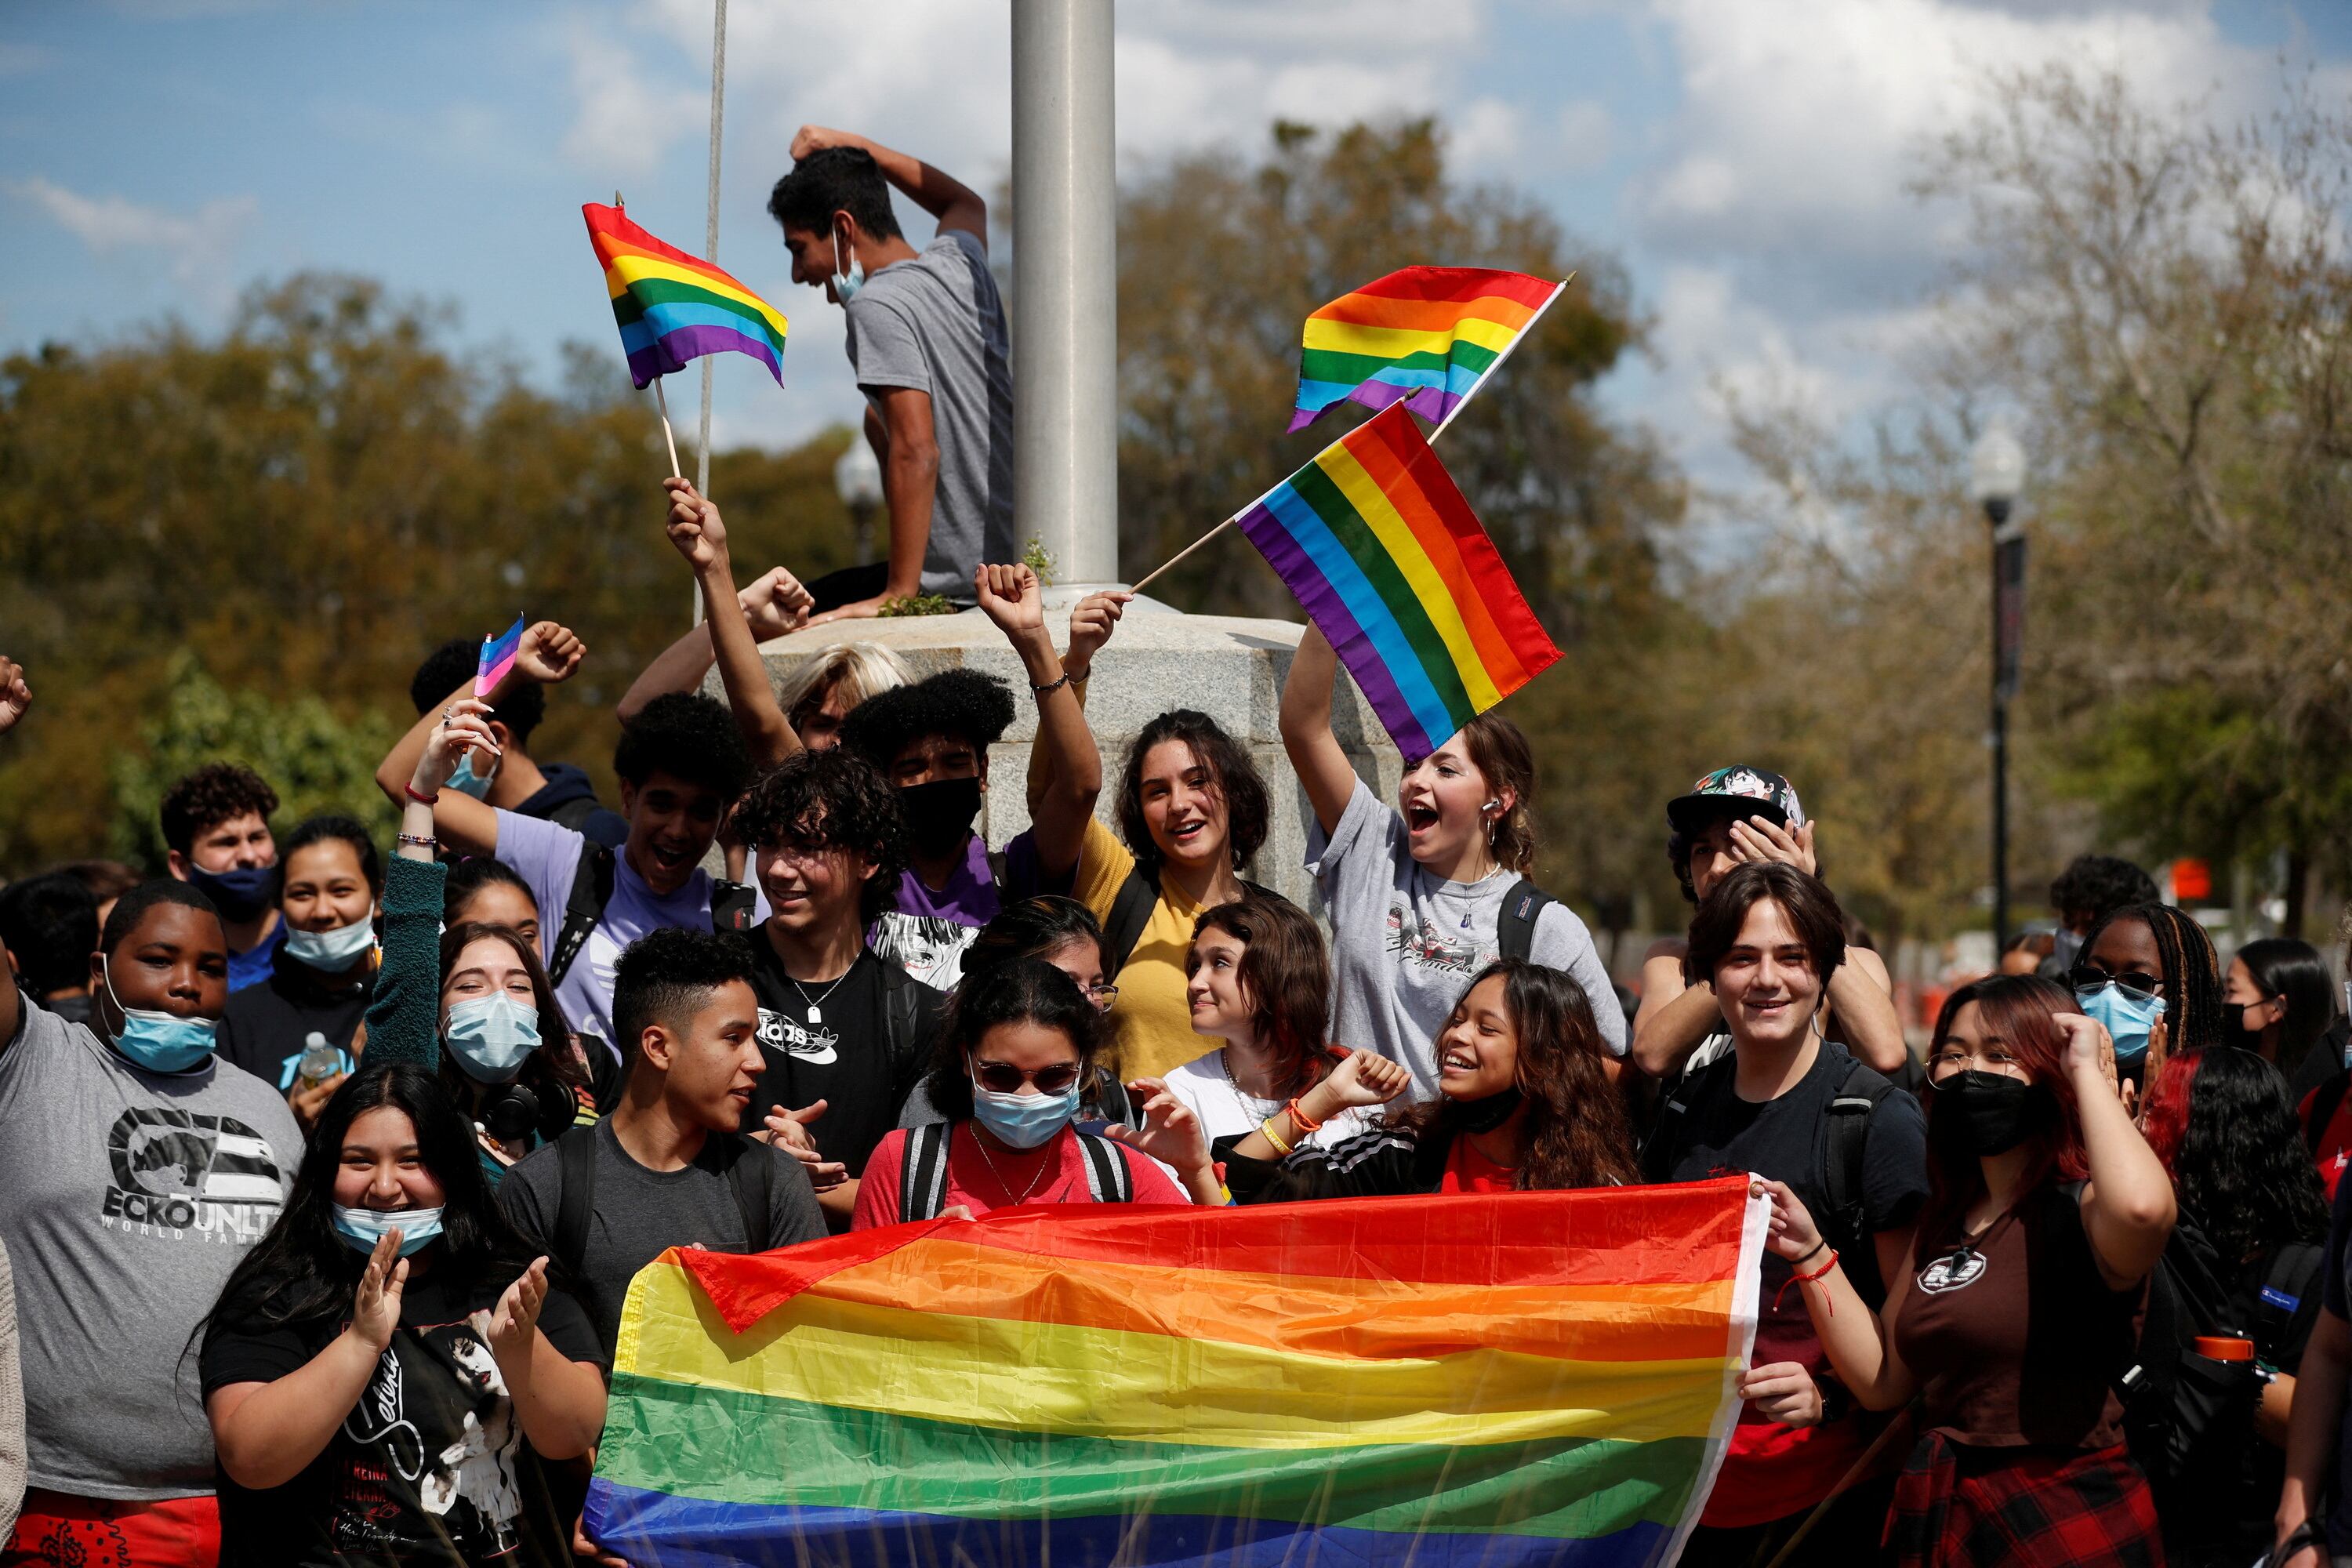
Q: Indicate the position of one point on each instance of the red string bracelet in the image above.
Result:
(420, 797)
(1796, 1279)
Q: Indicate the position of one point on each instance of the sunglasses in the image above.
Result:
(2089, 981)
(1004, 1077)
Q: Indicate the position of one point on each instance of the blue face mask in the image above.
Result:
(2129, 1018)
(156, 1040)
(1024, 1121)
(492, 1037)
(363, 1228)
(238, 895)
(332, 951)
(845, 285)
(466, 781)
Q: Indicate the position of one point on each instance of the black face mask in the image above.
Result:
(1990, 1112)
(2233, 1018)
(1486, 1115)
(940, 814)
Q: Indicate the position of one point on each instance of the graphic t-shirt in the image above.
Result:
(1225, 1111)
(1773, 1470)
(126, 1198)
(1152, 1018)
(1053, 1175)
(430, 1467)
(843, 1057)
(1404, 943)
(934, 324)
(926, 928)
(548, 856)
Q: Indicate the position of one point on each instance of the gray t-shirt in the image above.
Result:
(126, 1197)
(1404, 943)
(640, 1213)
(934, 324)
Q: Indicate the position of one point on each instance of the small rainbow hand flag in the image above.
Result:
(1498, 1380)
(498, 657)
(673, 306)
(1387, 559)
(1422, 336)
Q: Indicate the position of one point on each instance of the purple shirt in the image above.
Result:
(926, 930)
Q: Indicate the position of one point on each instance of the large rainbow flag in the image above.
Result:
(1498, 1380)
(1424, 336)
(673, 306)
(1389, 560)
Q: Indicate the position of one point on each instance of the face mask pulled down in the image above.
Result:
(332, 951)
(156, 1040)
(363, 1228)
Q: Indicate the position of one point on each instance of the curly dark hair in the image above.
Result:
(2191, 975)
(521, 703)
(832, 800)
(1577, 1134)
(689, 736)
(835, 180)
(2099, 885)
(666, 976)
(965, 704)
(2238, 1163)
(1026, 991)
(211, 796)
(1286, 974)
(1231, 774)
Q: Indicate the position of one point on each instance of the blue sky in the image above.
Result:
(1745, 157)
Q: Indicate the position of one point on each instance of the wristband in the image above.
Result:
(1267, 1128)
(1796, 1277)
(1299, 1119)
(1078, 679)
(1050, 687)
(420, 797)
(1817, 1245)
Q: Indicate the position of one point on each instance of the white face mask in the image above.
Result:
(847, 283)
(332, 951)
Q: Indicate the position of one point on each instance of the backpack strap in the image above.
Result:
(1130, 911)
(923, 1172)
(1515, 928)
(592, 889)
(752, 1179)
(902, 1001)
(574, 813)
(2284, 1297)
(1659, 1149)
(575, 1157)
(732, 905)
(1845, 1142)
(1107, 1179)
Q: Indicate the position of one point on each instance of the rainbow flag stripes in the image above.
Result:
(1387, 559)
(1422, 336)
(1495, 1380)
(673, 306)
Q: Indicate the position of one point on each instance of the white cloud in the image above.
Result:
(627, 116)
(199, 243)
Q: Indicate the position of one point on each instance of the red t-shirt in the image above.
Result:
(2332, 1151)
(1059, 1168)
(1468, 1171)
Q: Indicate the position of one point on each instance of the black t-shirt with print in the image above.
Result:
(430, 1467)
(845, 1059)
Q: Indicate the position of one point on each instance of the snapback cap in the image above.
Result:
(1735, 791)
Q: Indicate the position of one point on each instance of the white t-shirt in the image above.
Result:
(1225, 1111)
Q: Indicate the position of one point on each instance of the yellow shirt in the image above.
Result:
(1153, 1019)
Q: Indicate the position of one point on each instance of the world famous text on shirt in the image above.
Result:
(189, 1175)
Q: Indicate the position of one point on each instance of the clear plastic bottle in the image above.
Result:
(321, 1060)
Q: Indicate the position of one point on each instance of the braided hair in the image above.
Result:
(2192, 974)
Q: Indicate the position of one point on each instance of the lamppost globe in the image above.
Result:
(858, 477)
(1996, 472)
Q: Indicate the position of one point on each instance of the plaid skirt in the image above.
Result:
(1956, 1507)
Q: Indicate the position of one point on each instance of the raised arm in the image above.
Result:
(774, 606)
(1009, 596)
(1674, 1014)
(700, 536)
(2127, 1203)
(404, 1013)
(1092, 620)
(949, 200)
(1315, 754)
(550, 655)
(1862, 1000)
(14, 697)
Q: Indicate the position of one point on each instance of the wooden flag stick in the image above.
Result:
(663, 399)
(1179, 555)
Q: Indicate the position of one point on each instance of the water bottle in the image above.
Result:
(321, 1060)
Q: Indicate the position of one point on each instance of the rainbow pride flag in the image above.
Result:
(1496, 1380)
(1422, 336)
(673, 306)
(1389, 560)
(498, 657)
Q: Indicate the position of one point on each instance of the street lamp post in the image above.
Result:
(858, 479)
(1996, 474)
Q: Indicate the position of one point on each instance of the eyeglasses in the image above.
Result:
(2088, 982)
(1950, 1059)
(1102, 997)
(1004, 1077)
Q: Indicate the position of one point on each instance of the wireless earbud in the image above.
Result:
(1490, 806)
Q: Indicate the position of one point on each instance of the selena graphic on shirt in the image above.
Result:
(430, 1453)
(190, 1176)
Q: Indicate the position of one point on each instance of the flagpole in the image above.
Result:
(675, 471)
(711, 243)
(1523, 334)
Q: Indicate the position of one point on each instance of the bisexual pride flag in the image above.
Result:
(1494, 1380)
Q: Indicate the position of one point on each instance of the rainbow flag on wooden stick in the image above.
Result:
(1389, 560)
(1422, 336)
(673, 306)
(1498, 1380)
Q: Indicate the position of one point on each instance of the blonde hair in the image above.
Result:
(860, 670)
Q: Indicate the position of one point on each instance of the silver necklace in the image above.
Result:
(815, 1013)
(1005, 1186)
(1260, 1109)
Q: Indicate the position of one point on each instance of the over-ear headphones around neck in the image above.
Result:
(510, 1111)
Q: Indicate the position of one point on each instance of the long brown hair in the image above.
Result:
(556, 1062)
(1499, 750)
(2023, 1011)
(1287, 976)
(1576, 1132)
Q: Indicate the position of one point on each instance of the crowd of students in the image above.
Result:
(323, 1174)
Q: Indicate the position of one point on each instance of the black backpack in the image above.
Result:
(1515, 928)
(592, 888)
(751, 1176)
(923, 1177)
(1844, 1143)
